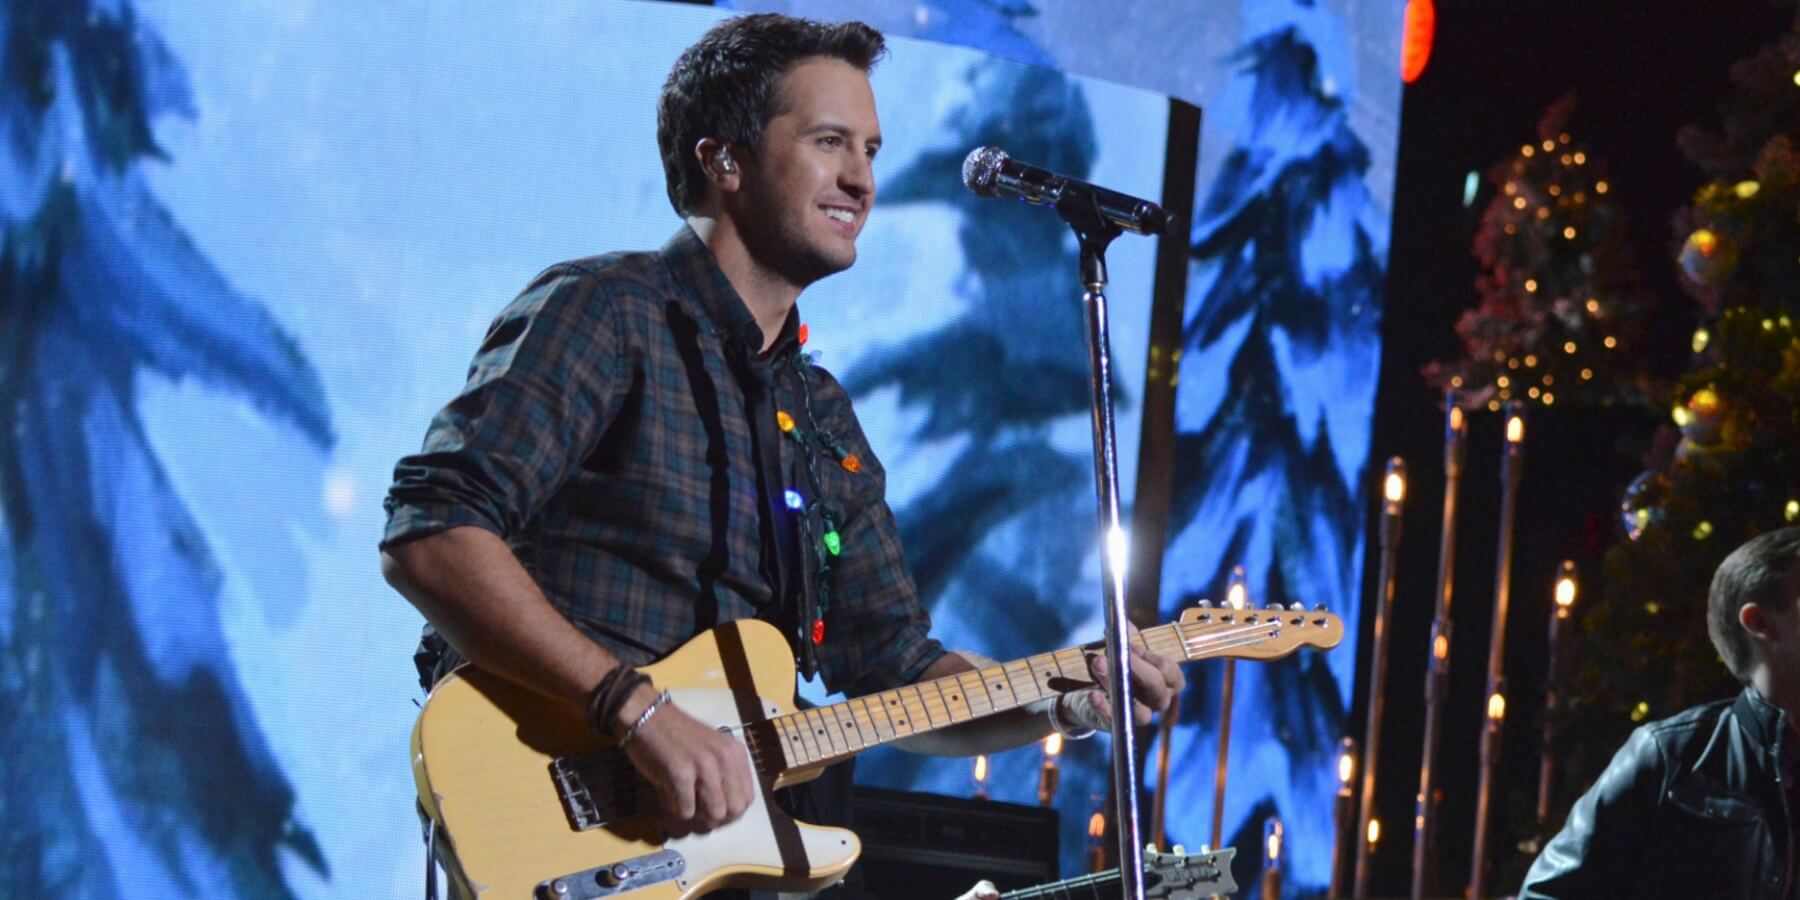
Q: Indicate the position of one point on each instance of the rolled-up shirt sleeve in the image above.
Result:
(548, 378)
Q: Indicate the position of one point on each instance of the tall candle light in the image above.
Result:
(1511, 466)
(1437, 679)
(1393, 497)
(1559, 613)
(1341, 809)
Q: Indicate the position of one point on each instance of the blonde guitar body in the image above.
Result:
(528, 803)
(484, 754)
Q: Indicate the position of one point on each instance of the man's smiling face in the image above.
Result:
(807, 190)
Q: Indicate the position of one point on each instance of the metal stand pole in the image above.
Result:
(1342, 807)
(1094, 234)
(1437, 680)
(1510, 467)
(1237, 596)
(1394, 493)
(1559, 611)
(1165, 734)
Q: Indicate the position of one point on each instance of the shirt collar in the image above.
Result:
(692, 264)
(1763, 721)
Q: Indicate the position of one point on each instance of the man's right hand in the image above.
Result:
(983, 890)
(702, 776)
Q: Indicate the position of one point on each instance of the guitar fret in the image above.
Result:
(980, 704)
(792, 753)
(895, 703)
(795, 729)
(874, 704)
(1072, 663)
(999, 688)
(935, 719)
(847, 728)
(825, 733)
(1021, 694)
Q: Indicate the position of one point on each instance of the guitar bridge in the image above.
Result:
(595, 790)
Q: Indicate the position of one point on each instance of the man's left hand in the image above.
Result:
(1156, 683)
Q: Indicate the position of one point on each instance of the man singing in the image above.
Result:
(642, 451)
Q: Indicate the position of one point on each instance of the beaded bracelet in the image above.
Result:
(643, 717)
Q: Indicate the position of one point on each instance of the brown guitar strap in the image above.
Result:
(749, 708)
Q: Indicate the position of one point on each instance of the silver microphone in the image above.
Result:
(989, 172)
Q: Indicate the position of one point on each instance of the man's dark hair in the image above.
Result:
(1757, 572)
(723, 87)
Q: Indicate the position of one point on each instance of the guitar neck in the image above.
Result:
(828, 734)
(1095, 885)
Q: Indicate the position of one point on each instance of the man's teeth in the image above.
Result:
(842, 215)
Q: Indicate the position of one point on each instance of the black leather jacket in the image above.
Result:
(1691, 806)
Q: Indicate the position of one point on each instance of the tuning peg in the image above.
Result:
(1275, 607)
(1178, 850)
(1319, 607)
(1204, 604)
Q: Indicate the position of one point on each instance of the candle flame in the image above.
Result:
(1097, 825)
(981, 769)
(1565, 585)
(1053, 745)
(1395, 489)
(1237, 596)
(1440, 647)
(1496, 706)
(1374, 832)
(1515, 428)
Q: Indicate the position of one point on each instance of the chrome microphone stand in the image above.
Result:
(1094, 232)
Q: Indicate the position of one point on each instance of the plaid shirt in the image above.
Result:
(606, 432)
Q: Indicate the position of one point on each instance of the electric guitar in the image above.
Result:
(528, 802)
(1167, 876)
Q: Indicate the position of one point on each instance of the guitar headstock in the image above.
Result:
(1270, 632)
(1187, 876)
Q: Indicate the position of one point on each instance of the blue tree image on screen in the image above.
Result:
(131, 761)
(1286, 274)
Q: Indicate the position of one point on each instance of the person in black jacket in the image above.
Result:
(1703, 804)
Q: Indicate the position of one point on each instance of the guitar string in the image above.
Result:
(624, 784)
(1228, 638)
(1224, 639)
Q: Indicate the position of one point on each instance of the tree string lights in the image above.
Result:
(1558, 310)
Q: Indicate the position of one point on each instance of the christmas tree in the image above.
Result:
(1734, 472)
(1559, 310)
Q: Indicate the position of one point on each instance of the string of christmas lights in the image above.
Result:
(824, 543)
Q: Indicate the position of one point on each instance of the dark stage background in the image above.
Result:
(1640, 72)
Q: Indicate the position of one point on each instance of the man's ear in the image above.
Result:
(1755, 620)
(717, 161)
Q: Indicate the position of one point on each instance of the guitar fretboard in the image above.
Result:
(1082, 886)
(828, 734)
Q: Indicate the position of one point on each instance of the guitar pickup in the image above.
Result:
(615, 878)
